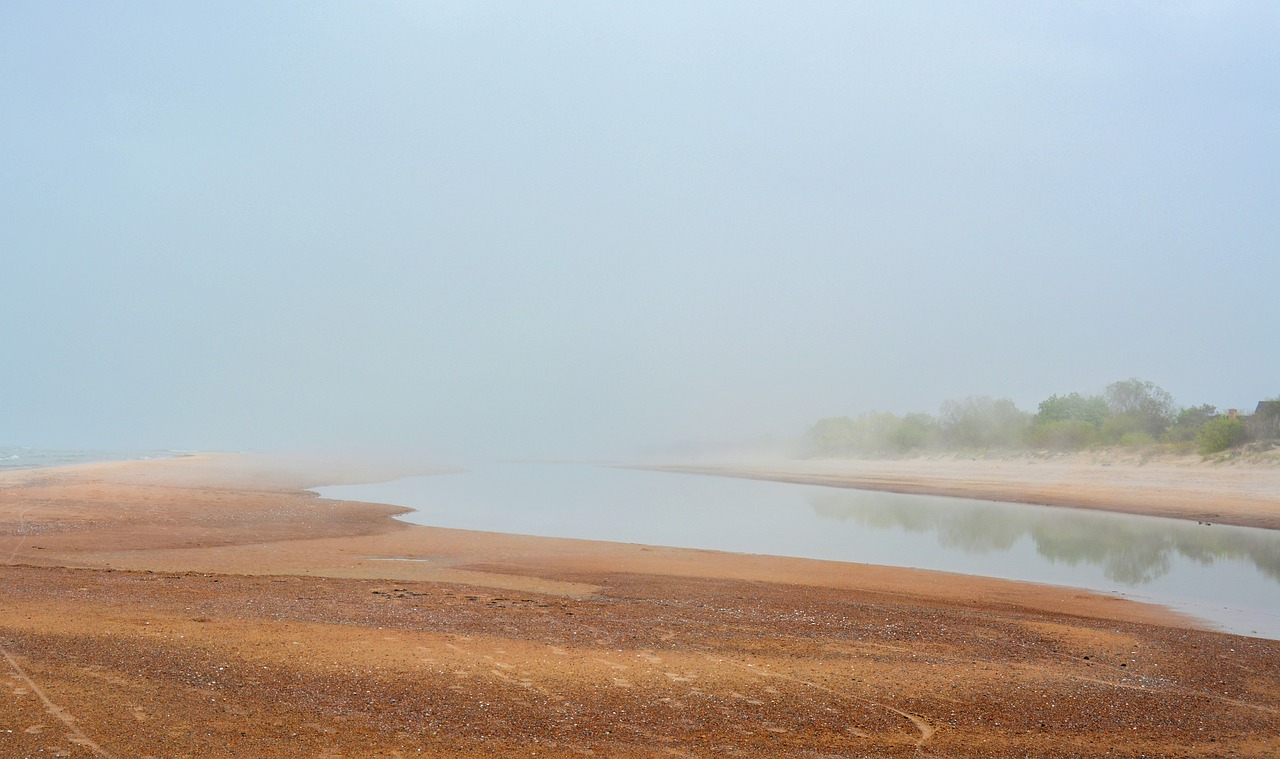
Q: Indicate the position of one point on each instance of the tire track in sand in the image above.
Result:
(21, 537)
(77, 735)
(921, 725)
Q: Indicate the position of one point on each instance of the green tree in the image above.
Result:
(1073, 408)
(1137, 406)
(1068, 422)
(1189, 421)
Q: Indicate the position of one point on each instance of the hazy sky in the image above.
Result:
(552, 228)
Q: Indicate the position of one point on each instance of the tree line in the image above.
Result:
(1132, 413)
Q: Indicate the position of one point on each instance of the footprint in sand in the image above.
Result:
(686, 677)
(621, 683)
(34, 730)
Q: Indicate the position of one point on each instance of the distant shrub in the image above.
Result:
(1062, 434)
(913, 432)
(835, 436)
(1137, 440)
(875, 434)
(1219, 434)
(981, 421)
(1115, 429)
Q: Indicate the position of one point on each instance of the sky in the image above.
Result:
(599, 228)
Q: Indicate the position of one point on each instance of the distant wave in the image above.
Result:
(35, 458)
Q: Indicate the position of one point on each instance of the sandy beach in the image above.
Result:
(210, 606)
(1229, 489)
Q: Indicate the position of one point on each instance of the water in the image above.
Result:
(23, 457)
(1229, 576)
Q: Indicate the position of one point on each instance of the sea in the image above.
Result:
(26, 457)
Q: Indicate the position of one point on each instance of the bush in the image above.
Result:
(981, 421)
(1115, 429)
(836, 436)
(1219, 434)
(914, 432)
(1062, 435)
(876, 434)
(1137, 440)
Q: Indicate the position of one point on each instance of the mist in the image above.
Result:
(603, 229)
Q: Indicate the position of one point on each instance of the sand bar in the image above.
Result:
(1235, 490)
(208, 606)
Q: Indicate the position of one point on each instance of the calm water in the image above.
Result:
(1227, 575)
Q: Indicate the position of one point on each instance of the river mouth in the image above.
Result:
(1228, 576)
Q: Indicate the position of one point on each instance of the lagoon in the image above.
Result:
(1228, 576)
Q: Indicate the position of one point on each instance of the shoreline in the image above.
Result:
(1170, 563)
(1241, 494)
(210, 606)
(356, 538)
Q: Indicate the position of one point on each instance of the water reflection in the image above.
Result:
(1131, 551)
(1230, 575)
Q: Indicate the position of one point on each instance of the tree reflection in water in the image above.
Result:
(1130, 550)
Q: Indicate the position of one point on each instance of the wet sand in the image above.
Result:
(208, 606)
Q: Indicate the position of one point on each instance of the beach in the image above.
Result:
(1228, 489)
(210, 605)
